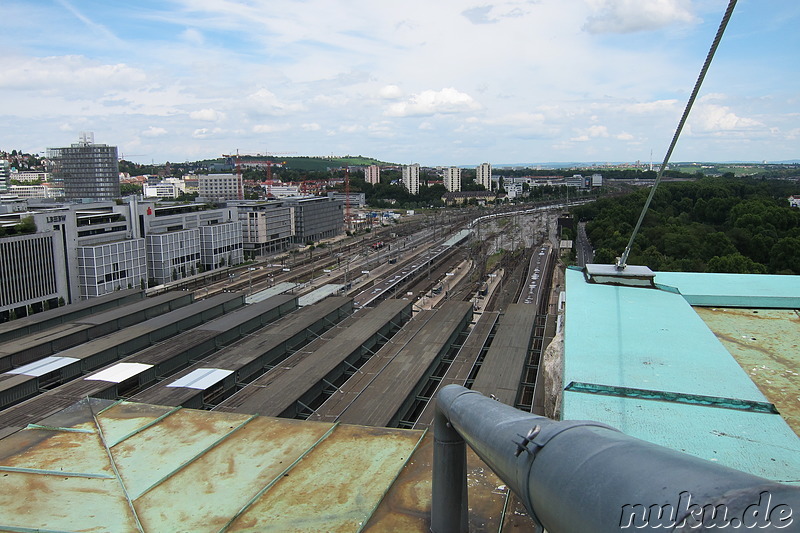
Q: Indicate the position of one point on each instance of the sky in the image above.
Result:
(444, 82)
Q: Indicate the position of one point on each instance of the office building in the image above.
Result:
(483, 175)
(266, 226)
(79, 251)
(357, 199)
(28, 272)
(86, 170)
(184, 239)
(316, 218)
(411, 178)
(452, 179)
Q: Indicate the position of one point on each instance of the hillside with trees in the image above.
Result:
(727, 224)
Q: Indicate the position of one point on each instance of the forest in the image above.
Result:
(714, 224)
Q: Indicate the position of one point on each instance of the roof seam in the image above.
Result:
(673, 397)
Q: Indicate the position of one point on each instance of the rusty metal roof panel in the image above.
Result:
(345, 501)
(766, 343)
(211, 492)
(117, 466)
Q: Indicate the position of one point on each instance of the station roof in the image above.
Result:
(110, 466)
(137, 467)
(649, 363)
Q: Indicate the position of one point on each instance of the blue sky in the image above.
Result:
(438, 83)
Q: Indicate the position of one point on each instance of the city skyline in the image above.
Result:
(449, 84)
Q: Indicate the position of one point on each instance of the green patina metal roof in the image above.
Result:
(644, 360)
(136, 467)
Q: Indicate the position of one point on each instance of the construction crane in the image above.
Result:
(347, 198)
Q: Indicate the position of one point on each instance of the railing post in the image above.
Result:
(449, 504)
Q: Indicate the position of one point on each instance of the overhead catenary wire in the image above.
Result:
(623, 260)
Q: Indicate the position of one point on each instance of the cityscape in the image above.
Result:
(508, 312)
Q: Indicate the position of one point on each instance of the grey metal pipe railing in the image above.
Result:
(583, 476)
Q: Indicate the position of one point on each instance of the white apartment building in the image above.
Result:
(372, 174)
(219, 186)
(411, 178)
(483, 175)
(31, 191)
(30, 175)
(162, 190)
(282, 190)
(452, 179)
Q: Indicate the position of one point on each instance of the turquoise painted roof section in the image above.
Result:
(642, 360)
(734, 290)
(648, 339)
(757, 443)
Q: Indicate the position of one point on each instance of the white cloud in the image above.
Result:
(350, 128)
(657, 106)
(154, 131)
(426, 103)
(425, 125)
(592, 132)
(72, 71)
(711, 118)
(193, 37)
(204, 133)
(264, 101)
(270, 128)
(628, 16)
(210, 115)
(310, 126)
(624, 136)
(390, 92)
(517, 119)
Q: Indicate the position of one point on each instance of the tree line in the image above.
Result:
(714, 224)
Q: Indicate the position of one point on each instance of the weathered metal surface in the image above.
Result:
(105, 466)
(407, 505)
(344, 501)
(33, 502)
(209, 493)
(735, 290)
(759, 443)
(124, 419)
(148, 457)
(648, 339)
(654, 340)
(766, 343)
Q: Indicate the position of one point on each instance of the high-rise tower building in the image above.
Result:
(5, 173)
(452, 179)
(483, 175)
(411, 178)
(86, 169)
(372, 174)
